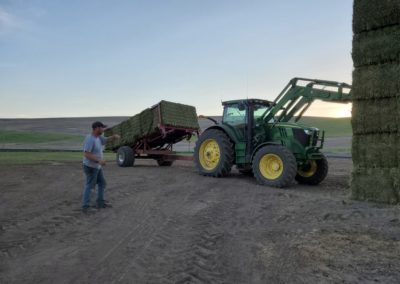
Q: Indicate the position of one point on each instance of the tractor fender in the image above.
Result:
(262, 145)
(226, 130)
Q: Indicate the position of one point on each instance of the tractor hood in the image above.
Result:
(295, 125)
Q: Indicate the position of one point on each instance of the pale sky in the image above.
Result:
(116, 58)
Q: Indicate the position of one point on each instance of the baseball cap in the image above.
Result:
(98, 124)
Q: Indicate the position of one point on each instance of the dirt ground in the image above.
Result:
(170, 225)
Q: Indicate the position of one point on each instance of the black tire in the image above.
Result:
(286, 169)
(125, 157)
(163, 163)
(226, 156)
(317, 176)
(246, 172)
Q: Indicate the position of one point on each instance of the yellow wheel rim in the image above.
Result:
(309, 172)
(209, 154)
(271, 166)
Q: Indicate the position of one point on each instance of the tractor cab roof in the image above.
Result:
(248, 102)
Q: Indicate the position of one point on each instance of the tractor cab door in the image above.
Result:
(259, 133)
(235, 115)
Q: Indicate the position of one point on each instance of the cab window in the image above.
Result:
(235, 115)
(259, 110)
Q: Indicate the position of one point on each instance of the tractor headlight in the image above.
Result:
(308, 131)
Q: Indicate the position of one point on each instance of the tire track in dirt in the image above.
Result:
(189, 247)
(129, 243)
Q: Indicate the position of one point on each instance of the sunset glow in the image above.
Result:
(323, 109)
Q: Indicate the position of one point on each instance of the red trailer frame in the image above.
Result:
(161, 146)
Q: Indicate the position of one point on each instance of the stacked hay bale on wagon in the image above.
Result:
(152, 122)
(376, 101)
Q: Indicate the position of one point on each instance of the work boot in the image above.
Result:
(103, 205)
(88, 210)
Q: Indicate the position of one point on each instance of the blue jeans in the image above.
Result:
(93, 176)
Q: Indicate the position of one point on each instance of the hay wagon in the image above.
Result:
(152, 134)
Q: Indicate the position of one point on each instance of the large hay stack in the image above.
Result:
(376, 105)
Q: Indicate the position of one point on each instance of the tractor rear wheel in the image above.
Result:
(213, 154)
(314, 172)
(274, 165)
(125, 157)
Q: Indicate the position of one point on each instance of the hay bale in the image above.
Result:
(376, 81)
(149, 121)
(376, 184)
(358, 151)
(376, 104)
(377, 46)
(376, 115)
(373, 14)
(376, 150)
(178, 115)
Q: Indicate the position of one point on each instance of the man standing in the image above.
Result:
(92, 165)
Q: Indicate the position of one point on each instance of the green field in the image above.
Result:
(334, 127)
(32, 137)
(31, 157)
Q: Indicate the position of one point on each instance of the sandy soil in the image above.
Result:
(170, 225)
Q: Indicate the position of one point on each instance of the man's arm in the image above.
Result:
(113, 137)
(104, 139)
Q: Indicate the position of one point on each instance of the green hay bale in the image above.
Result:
(373, 14)
(109, 132)
(376, 81)
(376, 116)
(358, 151)
(377, 46)
(376, 184)
(395, 174)
(376, 150)
(178, 115)
(147, 123)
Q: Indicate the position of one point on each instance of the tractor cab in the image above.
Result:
(242, 116)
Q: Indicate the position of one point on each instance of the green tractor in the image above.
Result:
(262, 138)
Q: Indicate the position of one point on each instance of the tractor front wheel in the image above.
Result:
(274, 165)
(314, 172)
(213, 154)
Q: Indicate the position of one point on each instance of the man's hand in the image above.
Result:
(102, 162)
(114, 137)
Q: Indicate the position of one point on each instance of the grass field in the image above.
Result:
(32, 157)
(32, 137)
(334, 127)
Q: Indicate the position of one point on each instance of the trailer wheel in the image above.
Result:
(125, 157)
(213, 154)
(274, 165)
(163, 163)
(314, 172)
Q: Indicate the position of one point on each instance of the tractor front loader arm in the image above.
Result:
(300, 93)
